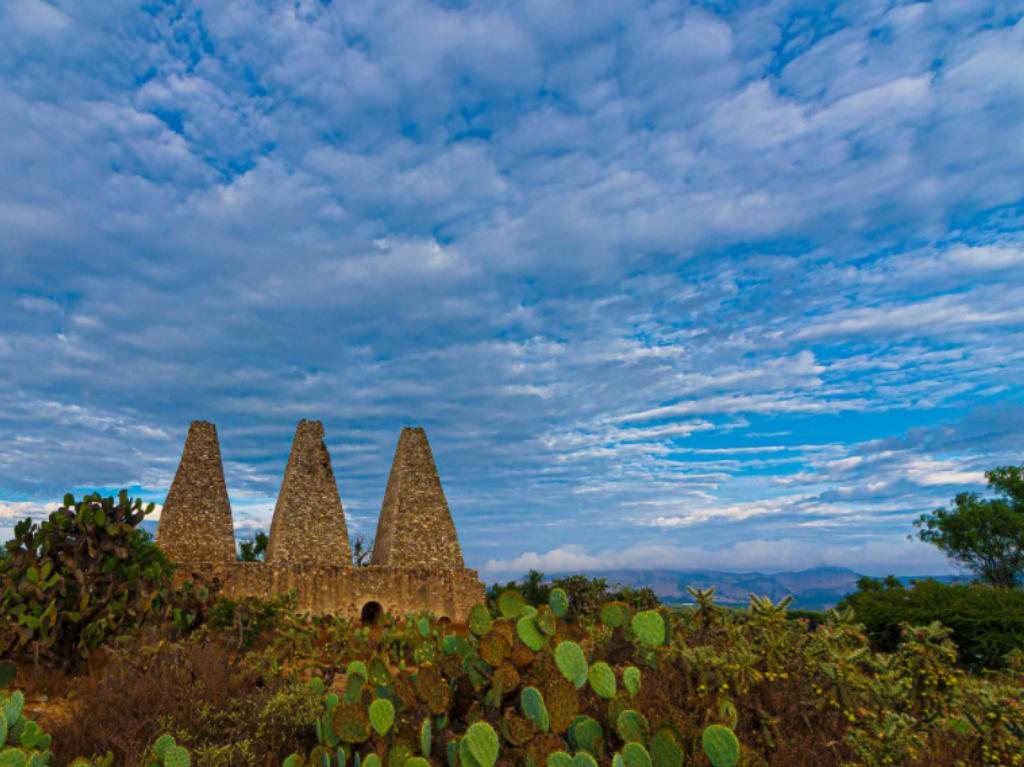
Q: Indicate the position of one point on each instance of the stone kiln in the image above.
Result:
(416, 563)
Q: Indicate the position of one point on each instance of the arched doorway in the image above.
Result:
(371, 613)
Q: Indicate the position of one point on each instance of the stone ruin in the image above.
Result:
(416, 564)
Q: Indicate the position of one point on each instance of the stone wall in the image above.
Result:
(349, 590)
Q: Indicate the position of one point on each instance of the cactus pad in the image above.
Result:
(350, 723)
(426, 737)
(511, 604)
(382, 715)
(493, 649)
(720, 745)
(529, 633)
(562, 702)
(631, 726)
(515, 729)
(560, 759)
(631, 679)
(584, 760)
(665, 750)
(546, 621)
(615, 614)
(571, 662)
(532, 703)
(585, 734)
(602, 679)
(559, 602)
(177, 756)
(416, 761)
(635, 755)
(481, 741)
(649, 626)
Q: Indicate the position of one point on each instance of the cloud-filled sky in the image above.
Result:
(716, 284)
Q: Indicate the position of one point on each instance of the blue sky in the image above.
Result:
(719, 284)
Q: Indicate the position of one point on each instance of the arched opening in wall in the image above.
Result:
(444, 620)
(371, 613)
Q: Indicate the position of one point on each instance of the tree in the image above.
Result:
(254, 549)
(985, 535)
(362, 549)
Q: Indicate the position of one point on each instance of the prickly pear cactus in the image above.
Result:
(559, 602)
(571, 662)
(631, 679)
(382, 715)
(649, 627)
(479, 746)
(532, 703)
(721, 746)
(602, 679)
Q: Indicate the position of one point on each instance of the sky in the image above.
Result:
(724, 285)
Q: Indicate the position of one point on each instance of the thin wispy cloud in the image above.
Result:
(648, 273)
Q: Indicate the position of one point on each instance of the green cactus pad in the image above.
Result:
(665, 750)
(511, 604)
(163, 743)
(617, 761)
(728, 714)
(416, 761)
(559, 759)
(12, 707)
(585, 734)
(532, 703)
(631, 679)
(546, 620)
(3, 729)
(615, 614)
(480, 621)
(530, 634)
(398, 755)
(316, 684)
(584, 760)
(320, 757)
(632, 726)
(357, 667)
(635, 755)
(425, 737)
(571, 662)
(481, 741)
(354, 685)
(649, 626)
(559, 602)
(720, 745)
(382, 715)
(602, 679)
(177, 756)
(371, 760)
(379, 674)
(294, 760)
(13, 757)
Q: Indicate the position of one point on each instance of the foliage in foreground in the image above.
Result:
(986, 622)
(79, 578)
(525, 687)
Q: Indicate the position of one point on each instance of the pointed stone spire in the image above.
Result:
(415, 527)
(309, 522)
(195, 522)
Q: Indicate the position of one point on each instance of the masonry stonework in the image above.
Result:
(195, 522)
(309, 523)
(416, 564)
(415, 528)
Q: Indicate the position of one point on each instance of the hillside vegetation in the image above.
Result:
(143, 675)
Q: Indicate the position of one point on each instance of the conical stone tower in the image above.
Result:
(309, 523)
(415, 528)
(195, 522)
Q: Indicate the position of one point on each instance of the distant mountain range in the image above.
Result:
(814, 589)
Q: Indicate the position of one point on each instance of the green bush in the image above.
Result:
(82, 576)
(987, 622)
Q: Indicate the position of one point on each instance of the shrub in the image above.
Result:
(987, 622)
(82, 576)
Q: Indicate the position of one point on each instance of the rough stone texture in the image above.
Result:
(415, 527)
(195, 522)
(347, 590)
(309, 524)
(308, 551)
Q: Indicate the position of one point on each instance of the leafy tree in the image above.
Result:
(254, 549)
(985, 535)
(85, 574)
(362, 550)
